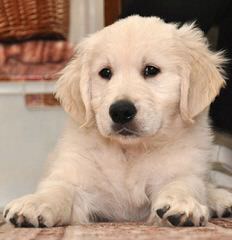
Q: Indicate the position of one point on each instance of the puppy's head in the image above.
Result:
(134, 78)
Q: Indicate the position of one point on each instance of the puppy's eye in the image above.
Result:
(150, 71)
(106, 73)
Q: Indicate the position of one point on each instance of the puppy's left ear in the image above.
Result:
(202, 73)
(73, 86)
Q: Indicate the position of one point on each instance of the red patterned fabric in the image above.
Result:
(33, 60)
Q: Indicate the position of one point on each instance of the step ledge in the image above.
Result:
(26, 87)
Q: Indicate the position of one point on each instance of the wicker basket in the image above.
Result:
(23, 19)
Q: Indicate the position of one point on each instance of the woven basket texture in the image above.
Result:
(24, 19)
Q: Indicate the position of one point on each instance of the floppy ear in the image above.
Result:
(73, 87)
(202, 73)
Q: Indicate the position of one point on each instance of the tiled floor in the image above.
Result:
(218, 229)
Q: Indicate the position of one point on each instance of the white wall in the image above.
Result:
(26, 137)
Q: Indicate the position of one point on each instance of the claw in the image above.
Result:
(6, 212)
(160, 212)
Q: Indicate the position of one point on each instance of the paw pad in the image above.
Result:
(175, 220)
(14, 220)
(188, 223)
(227, 213)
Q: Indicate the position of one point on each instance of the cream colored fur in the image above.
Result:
(95, 173)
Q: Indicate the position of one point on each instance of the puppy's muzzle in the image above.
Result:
(122, 113)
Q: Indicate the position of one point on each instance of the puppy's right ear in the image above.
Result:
(202, 72)
(72, 88)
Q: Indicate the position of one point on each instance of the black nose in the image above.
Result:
(122, 111)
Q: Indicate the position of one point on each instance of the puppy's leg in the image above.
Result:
(180, 203)
(220, 202)
(50, 206)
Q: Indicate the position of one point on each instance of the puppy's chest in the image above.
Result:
(123, 174)
(123, 181)
(121, 186)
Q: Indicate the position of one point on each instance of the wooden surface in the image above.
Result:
(112, 10)
(218, 229)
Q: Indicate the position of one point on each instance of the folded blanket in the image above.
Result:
(33, 60)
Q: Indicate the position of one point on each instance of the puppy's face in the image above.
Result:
(135, 86)
(137, 75)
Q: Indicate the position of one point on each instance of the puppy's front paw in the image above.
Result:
(220, 203)
(178, 211)
(30, 211)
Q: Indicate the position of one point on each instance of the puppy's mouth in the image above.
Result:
(125, 131)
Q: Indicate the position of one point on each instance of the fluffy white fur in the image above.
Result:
(95, 173)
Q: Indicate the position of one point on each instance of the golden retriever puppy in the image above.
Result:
(138, 143)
